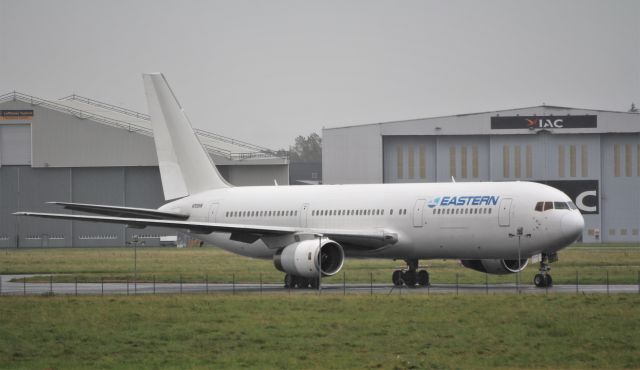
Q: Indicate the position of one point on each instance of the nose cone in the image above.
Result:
(572, 225)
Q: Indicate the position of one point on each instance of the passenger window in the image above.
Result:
(539, 206)
(391, 212)
(548, 205)
(560, 205)
(489, 210)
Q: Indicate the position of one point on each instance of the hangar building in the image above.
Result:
(80, 150)
(592, 155)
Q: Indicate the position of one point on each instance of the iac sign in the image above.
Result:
(544, 123)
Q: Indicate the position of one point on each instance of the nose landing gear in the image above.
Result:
(411, 276)
(543, 278)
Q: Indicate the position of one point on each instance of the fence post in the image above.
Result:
(607, 282)
(371, 281)
(486, 283)
(76, 286)
(154, 284)
(102, 285)
(206, 283)
(24, 286)
(233, 283)
(344, 283)
(127, 286)
(180, 283)
(577, 282)
(50, 284)
(456, 283)
(261, 283)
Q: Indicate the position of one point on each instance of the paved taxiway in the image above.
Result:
(122, 288)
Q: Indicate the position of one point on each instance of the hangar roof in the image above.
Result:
(482, 123)
(112, 115)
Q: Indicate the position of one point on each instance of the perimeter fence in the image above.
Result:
(373, 283)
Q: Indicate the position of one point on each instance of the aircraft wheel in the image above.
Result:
(539, 280)
(289, 281)
(409, 278)
(397, 278)
(314, 283)
(423, 278)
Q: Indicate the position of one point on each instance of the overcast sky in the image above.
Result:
(267, 71)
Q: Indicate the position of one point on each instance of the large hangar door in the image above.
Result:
(15, 144)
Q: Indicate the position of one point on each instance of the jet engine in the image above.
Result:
(301, 258)
(496, 267)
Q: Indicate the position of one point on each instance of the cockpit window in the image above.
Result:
(560, 205)
(545, 206)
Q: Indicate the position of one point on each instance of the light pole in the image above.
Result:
(519, 233)
(135, 241)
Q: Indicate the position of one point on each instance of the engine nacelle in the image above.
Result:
(301, 258)
(496, 267)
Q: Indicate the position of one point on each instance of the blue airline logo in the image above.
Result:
(464, 200)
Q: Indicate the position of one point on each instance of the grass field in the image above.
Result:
(621, 262)
(311, 332)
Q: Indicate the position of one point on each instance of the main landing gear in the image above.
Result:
(300, 282)
(543, 278)
(411, 276)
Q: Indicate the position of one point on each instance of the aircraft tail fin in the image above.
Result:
(185, 166)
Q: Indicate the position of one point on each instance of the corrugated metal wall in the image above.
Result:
(25, 188)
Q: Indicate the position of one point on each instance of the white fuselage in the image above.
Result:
(481, 222)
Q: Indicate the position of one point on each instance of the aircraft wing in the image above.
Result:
(350, 239)
(122, 211)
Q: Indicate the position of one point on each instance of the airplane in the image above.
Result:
(308, 231)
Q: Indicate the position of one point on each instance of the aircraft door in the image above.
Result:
(418, 213)
(504, 215)
(213, 208)
(303, 214)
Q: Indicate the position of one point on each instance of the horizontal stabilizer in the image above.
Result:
(122, 211)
